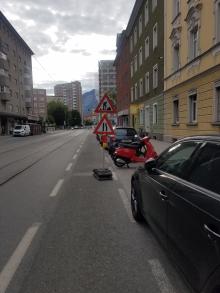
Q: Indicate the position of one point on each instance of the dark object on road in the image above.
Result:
(102, 174)
(122, 134)
(136, 152)
(178, 194)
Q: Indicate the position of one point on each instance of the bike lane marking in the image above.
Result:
(126, 204)
(160, 276)
(14, 261)
(69, 166)
(75, 156)
(56, 188)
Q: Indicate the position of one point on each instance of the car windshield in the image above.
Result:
(18, 127)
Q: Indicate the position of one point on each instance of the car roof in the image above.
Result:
(211, 137)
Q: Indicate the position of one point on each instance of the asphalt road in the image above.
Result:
(62, 230)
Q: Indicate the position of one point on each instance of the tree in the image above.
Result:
(74, 118)
(58, 111)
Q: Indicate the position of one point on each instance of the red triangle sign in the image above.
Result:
(104, 126)
(105, 106)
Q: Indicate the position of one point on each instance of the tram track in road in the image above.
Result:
(20, 169)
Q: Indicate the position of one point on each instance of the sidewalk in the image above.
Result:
(159, 145)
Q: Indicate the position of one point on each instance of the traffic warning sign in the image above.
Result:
(105, 106)
(104, 126)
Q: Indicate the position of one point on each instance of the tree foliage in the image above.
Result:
(74, 118)
(58, 111)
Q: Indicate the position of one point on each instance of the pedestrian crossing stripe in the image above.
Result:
(104, 126)
(105, 106)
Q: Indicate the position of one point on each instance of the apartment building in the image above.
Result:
(39, 107)
(72, 95)
(107, 77)
(16, 83)
(192, 68)
(123, 79)
(145, 31)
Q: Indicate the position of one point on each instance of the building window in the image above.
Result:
(217, 20)
(135, 63)
(194, 40)
(136, 91)
(146, 13)
(175, 110)
(176, 8)
(140, 26)
(193, 107)
(155, 36)
(147, 83)
(131, 44)
(132, 69)
(135, 35)
(155, 113)
(132, 94)
(155, 76)
(176, 57)
(15, 67)
(147, 47)
(154, 4)
(141, 116)
(217, 102)
(140, 57)
(141, 87)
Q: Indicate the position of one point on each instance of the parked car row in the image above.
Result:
(178, 194)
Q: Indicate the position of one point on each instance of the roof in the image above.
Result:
(12, 29)
(133, 16)
(211, 137)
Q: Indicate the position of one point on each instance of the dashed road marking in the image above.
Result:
(57, 188)
(14, 261)
(126, 204)
(68, 168)
(160, 276)
(74, 157)
(115, 177)
(78, 151)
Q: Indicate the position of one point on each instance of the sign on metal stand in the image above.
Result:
(104, 127)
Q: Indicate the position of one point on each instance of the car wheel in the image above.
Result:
(135, 204)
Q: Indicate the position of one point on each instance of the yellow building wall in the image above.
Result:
(205, 101)
(206, 41)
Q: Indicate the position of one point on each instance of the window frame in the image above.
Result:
(155, 113)
(217, 21)
(191, 109)
(155, 36)
(141, 88)
(154, 5)
(155, 77)
(146, 13)
(176, 118)
(217, 102)
(147, 82)
(140, 26)
(147, 47)
(140, 56)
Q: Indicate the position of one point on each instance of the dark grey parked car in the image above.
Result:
(178, 194)
(122, 134)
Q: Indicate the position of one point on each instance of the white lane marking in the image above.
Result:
(14, 261)
(115, 177)
(78, 151)
(68, 168)
(160, 276)
(126, 204)
(74, 157)
(57, 188)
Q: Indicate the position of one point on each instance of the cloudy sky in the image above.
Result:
(68, 37)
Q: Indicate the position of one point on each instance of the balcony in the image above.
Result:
(4, 97)
(28, 105)
(3, 56)
(4, 81)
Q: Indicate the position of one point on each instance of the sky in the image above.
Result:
(68, 37)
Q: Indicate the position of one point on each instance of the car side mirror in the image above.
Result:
(150, 164)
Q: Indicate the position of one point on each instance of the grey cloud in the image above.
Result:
(108, 52)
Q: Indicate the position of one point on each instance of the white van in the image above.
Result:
(21, 130)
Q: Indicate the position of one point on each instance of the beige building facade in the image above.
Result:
(192, 68)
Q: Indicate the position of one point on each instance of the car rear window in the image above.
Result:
(125, 132)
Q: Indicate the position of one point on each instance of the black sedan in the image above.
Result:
(178, 194)
(122, 134)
